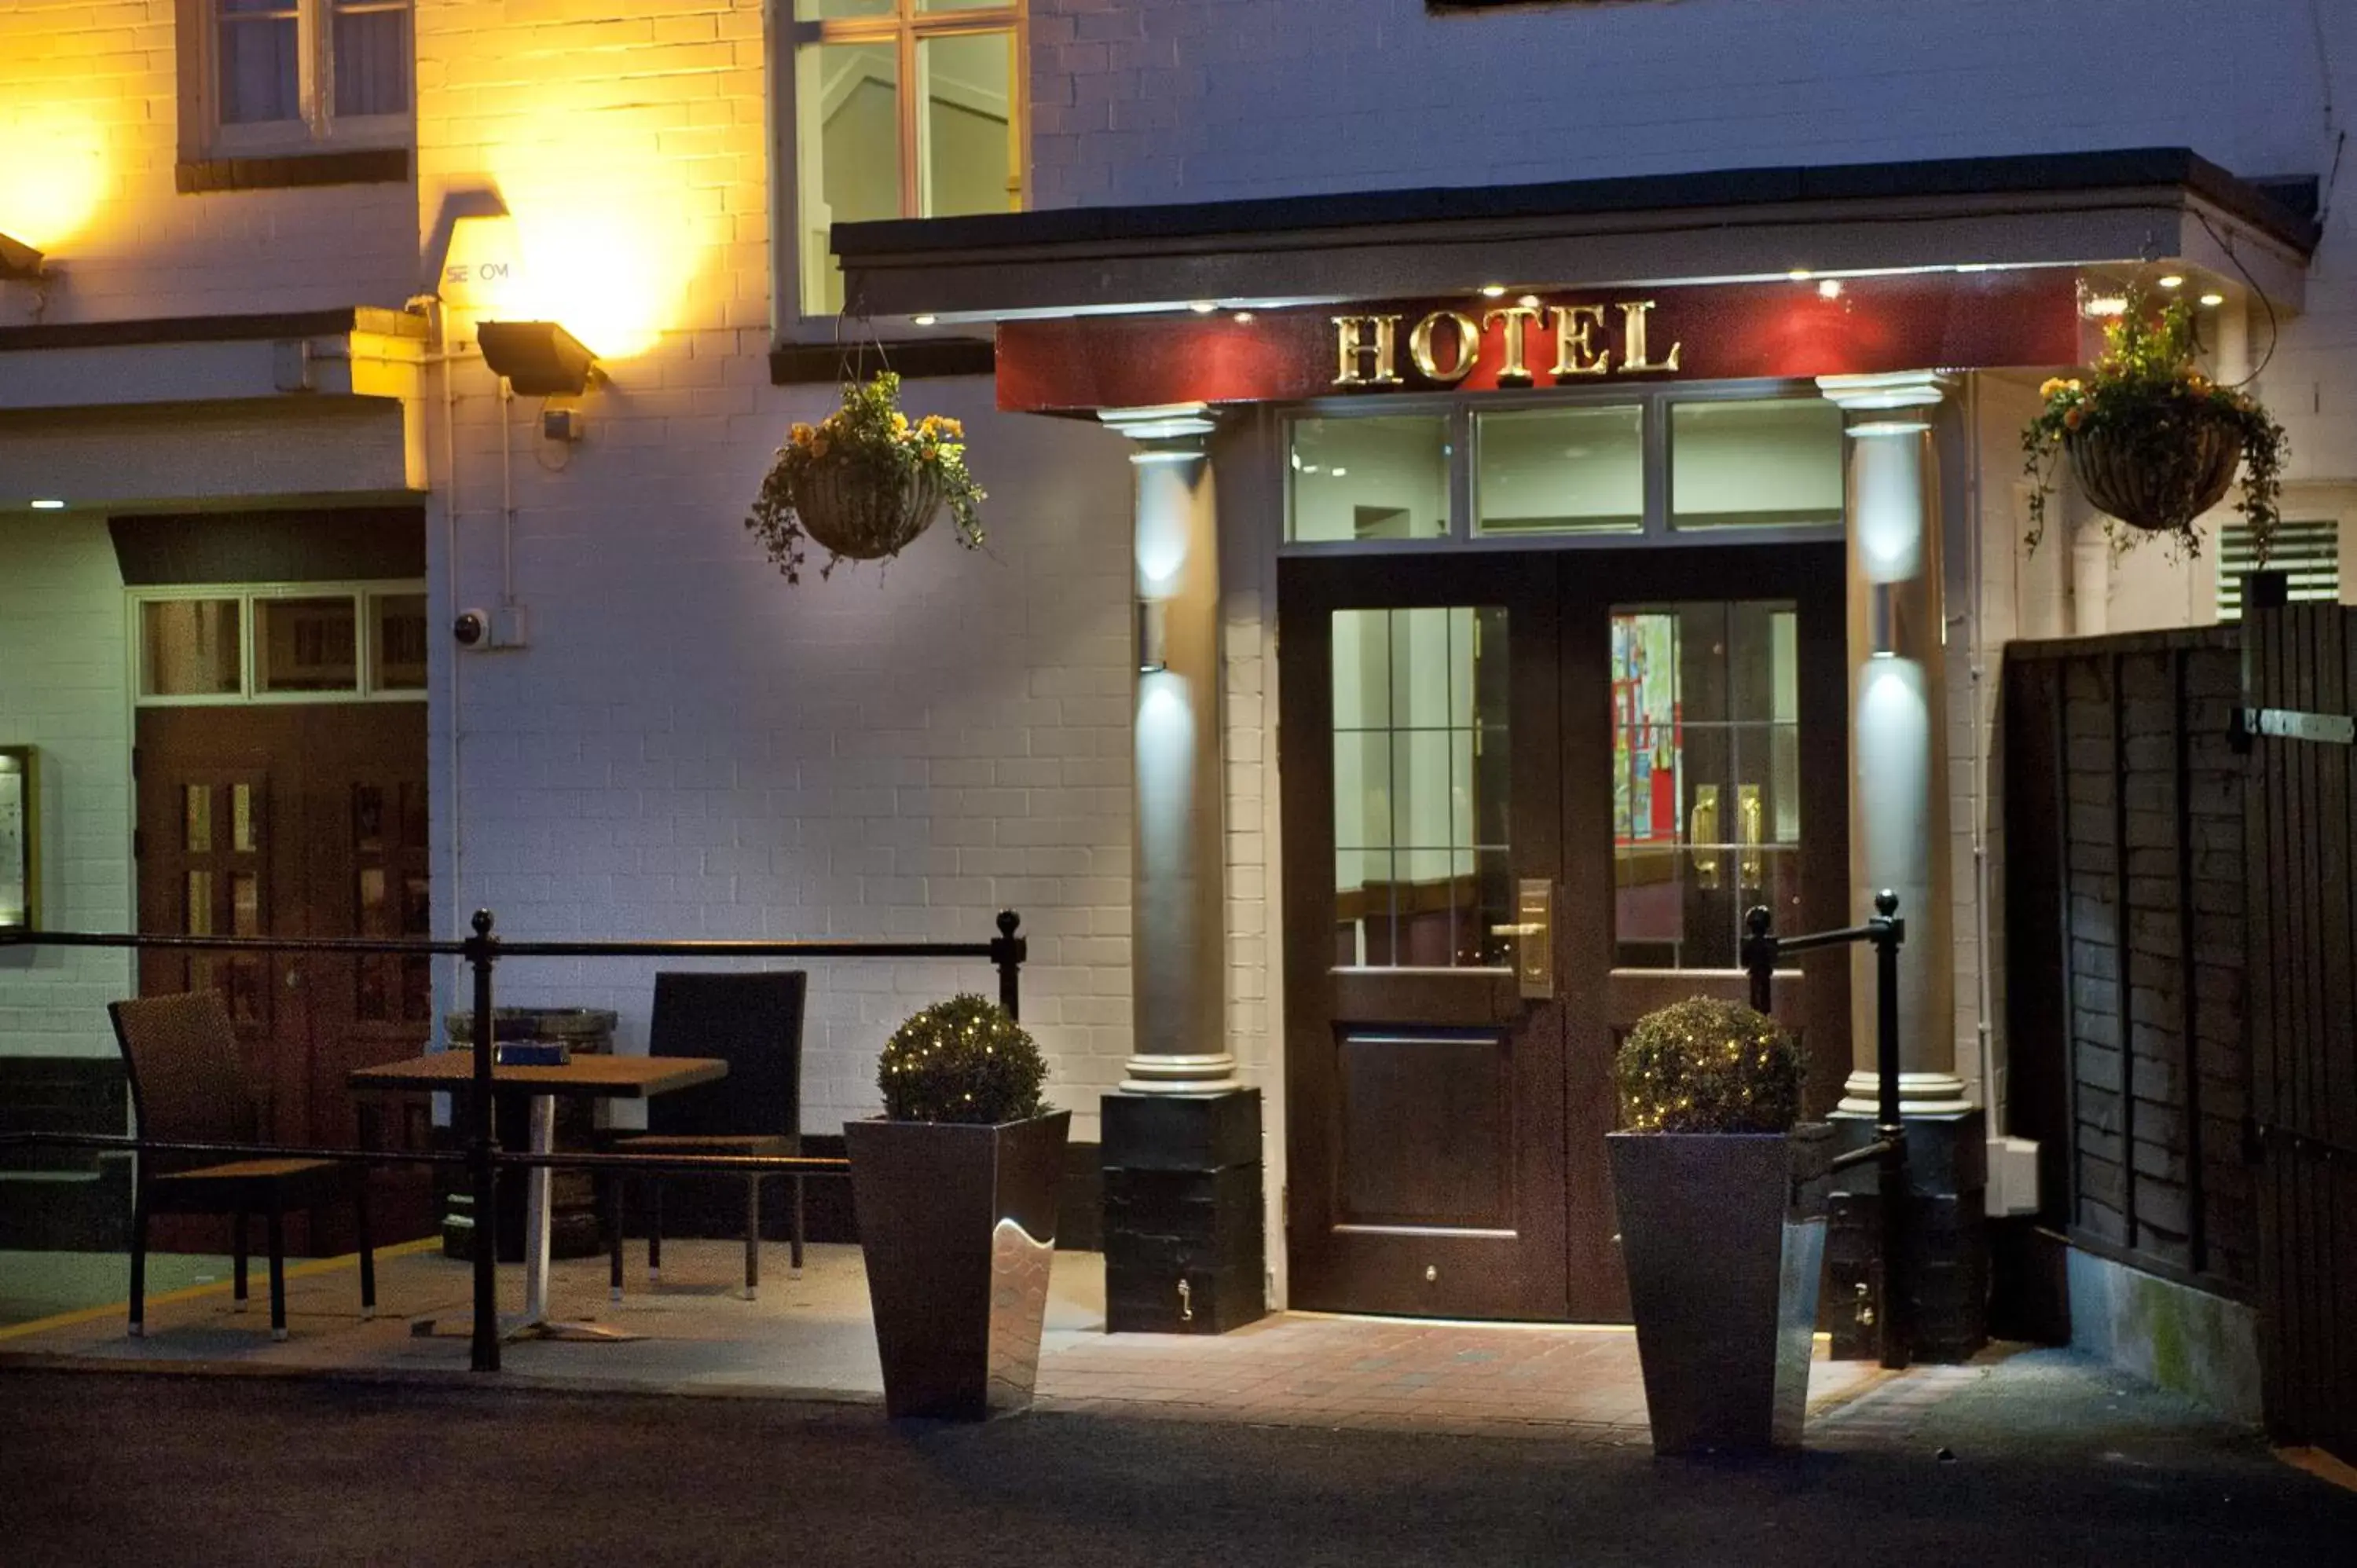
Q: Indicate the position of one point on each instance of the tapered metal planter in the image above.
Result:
(958, 1223)
(1724, 1235)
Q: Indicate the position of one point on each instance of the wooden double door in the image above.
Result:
(297, 820)
(1527, 798)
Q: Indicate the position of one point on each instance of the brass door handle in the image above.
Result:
(1748, 868)
(1702, 828)
(1533, 937)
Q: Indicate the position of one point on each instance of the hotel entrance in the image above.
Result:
(1528, 796)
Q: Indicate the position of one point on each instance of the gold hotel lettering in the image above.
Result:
(1354, 345)
(1468, 347)
(1634, 315)
(1575, 353)
(1366, 357)
(1517, 317)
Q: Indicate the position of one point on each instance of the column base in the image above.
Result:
(1947, 1261)
(1920, 1094)
(1185, 1246)
(1210, 1073)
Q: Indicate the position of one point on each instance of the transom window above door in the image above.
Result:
(901, 109)
(314, 642)
(1751, 462)
(275, 75)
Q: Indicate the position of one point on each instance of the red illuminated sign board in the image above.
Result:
(1706, 332)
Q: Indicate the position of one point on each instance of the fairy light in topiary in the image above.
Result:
(947, 1064)
(1709, 1065)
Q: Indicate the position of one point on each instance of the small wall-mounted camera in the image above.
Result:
(506, 627)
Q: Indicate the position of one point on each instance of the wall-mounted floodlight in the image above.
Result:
(18, 260)
(539, 358)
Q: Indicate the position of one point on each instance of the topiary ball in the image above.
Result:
(962, 1060)
(1705, 1065)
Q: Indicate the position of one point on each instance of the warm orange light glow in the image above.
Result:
(53, 172)
(610, 236)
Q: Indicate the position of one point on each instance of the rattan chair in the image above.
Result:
(754, 1021)
(180, 1054)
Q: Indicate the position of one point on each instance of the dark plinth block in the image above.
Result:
(1185, 1240)
(1947, 1260)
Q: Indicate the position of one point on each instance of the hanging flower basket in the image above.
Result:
(864, 482)
(2153, 442)
(862, 510)
(2158, 477)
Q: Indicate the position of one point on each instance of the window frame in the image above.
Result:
(316, 128)
(795, 166)
(1461, 412)
(364, 592)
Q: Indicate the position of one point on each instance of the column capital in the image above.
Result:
(1888, 390)
(1176, 428)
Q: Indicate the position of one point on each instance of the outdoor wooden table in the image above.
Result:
(589, 1076)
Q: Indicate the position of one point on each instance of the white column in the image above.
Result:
(1898, 779)
(1178, 898)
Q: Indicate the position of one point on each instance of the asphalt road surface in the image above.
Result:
(2058, 1463)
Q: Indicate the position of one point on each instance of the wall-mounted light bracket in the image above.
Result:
(18, 260)
(1153, 633)
(539, 358)
(1882, 619)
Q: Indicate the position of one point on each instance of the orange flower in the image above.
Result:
(2050, 386)
(2073, 419)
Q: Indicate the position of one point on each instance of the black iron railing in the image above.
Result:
(483, 1157)
(1761, 949)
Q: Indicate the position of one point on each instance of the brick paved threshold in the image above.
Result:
(811, 1339)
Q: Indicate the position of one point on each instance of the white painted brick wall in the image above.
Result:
(692, 748)
(64, 688)
(88, 142)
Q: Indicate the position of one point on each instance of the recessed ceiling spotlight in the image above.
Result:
(1341, 473)
(1800, 274)
(1244, 318)
(2108, 304)
(1203, 307)
(2173, 280)
(1830, 288)
(48, 503)
(1528, 302)
(923, 320)
(1492, 290)
(2213, 299)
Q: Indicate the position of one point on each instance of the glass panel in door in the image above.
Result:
(1422, 790)
(1705, 777)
